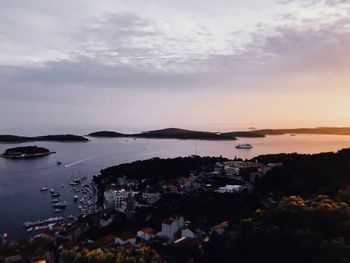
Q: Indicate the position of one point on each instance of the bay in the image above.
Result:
(20, 180)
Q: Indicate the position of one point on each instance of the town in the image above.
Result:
(187, 207)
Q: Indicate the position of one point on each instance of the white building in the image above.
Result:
(189, 233)
(172, 225)
(125, 238)
(146, 233)
(230, 189)
(116, 199)
(231, 170)
(108, 199)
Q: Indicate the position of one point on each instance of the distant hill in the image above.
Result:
(169, 133)
(109, 134)
(245, 134)
(319, 130)
(58, 138)
(184, 134)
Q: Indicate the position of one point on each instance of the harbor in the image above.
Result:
(84, 196)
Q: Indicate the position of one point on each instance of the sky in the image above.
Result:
(197, 64)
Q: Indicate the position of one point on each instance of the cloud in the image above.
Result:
(118, 52)
(72, 55)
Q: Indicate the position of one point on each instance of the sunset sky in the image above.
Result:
(137, 65)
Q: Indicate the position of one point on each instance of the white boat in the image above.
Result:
(41, 222)
(58, 210)
(244, 146)
(52, 190)
(71, 217)
(76, 198)
(55, 194)
(60, 204)
(43, 189)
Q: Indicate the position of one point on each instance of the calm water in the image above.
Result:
(20, 180)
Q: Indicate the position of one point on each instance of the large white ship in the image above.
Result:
(244, 146)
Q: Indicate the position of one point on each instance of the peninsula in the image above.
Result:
(56, 138)
(26, 152)
(319, 130)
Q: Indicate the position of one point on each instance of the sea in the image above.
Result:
(20, 180)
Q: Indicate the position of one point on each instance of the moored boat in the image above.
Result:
(62, 204)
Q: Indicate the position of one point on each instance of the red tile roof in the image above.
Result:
(167, 221)
(147, 230)
(125, 236)
(106, 240)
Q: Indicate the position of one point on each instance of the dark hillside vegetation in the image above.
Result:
(307, 175)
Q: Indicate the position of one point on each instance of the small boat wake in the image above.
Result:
(79, 162)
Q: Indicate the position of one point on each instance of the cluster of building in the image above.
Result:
(125, 196)
(240, 174)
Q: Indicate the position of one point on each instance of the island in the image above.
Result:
(176, 133)
(26, 152)
(107, 134)
(169, 133)
(56, 138)
(245, 134)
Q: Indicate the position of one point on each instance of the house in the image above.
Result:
(231, 171)
(184, 182)
(80, 229)
(171, 225)
(151, 198)
(146, 233)
(106, 217)
(244, 165)
(274, 165)
(127, 182)
(104, 242)
(264, 169)
(108, 198)
(69, 246)
(125, 238)
(219, 228)
(172, 188)
(117, 199)
(195, 185)
(230, 189)
(180, 221)
(188, 233)
(219, 168)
